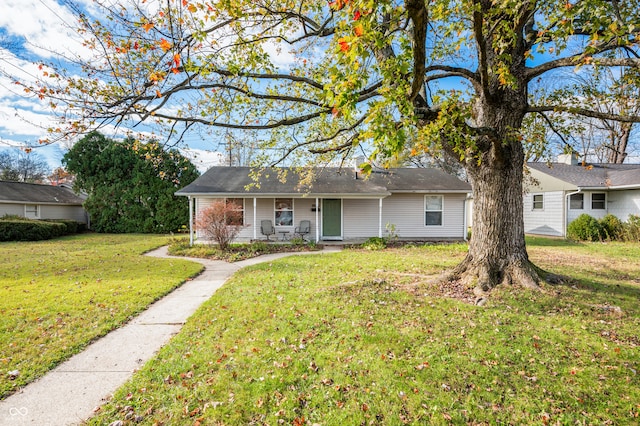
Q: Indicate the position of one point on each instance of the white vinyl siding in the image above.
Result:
(407, 213)
(76, 213)
(547, 221)
(624, 203)
(360, 218)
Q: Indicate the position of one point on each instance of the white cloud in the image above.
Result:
(47, 26)
(203, 159)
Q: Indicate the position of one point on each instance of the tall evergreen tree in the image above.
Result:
(130, 184)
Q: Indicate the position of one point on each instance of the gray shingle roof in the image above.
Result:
(20, 192)
(592, 175)
(327, 181)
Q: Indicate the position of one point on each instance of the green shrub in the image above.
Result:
(30, 230)
(375, 243)
(631, 229)
(71, 226)
(585, 228)
(611, 227)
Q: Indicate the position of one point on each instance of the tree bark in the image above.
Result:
(497, 251)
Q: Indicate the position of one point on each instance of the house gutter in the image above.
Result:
(565, 211)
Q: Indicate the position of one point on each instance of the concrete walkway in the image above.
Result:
(71, 392)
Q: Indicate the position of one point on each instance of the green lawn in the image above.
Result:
(57, 296)
(363, 337)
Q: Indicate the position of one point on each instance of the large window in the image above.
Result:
(598, 201)
(236, 204)
(433, 210)
(538, 202)
(576, 201)
(284, 211)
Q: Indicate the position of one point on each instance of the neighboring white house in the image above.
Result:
(35, 201)
(560, 192)
(341, 204)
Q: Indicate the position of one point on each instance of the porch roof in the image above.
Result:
(237, 181)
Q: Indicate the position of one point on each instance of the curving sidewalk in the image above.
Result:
(70, 393)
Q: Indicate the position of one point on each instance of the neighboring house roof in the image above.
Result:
(605, 176)
(31, 193)
(237, 181)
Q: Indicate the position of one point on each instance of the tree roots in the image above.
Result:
(483, 276)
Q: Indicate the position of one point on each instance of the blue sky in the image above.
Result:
(34, 31)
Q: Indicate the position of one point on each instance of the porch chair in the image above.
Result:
(303, 229)
(266, 228)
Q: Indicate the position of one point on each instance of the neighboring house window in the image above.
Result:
(236, 204)
(284, 211)
(576, 202)
(433, 210)
(538, 202)
(32, 211)
(598, 201)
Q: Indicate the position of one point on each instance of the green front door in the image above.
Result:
(332, 219)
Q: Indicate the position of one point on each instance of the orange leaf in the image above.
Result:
(185, 2)
(158, 94)
(358, 30)
(176, 59)
(165, 45)
(344, 44)
(148, 26)
(192, 8)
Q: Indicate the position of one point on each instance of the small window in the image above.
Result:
(598, 201)
(433, 210)
(32, 211)
(284, 212)
(538, 202)
(576, 202)
(236, 204)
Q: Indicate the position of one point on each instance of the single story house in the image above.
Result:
(35, 201)
(557, 193)
(340, 203)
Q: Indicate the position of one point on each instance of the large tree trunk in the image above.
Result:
(497, 252)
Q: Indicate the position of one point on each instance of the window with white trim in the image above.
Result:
(32, 211)
(236, 204)
(538, 202)
(598, 201)
(576, 201)
(433, 206)
(284, 211)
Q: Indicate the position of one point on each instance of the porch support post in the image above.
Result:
(317, 222)
(255, 216)
(191, 220)
(380, 218)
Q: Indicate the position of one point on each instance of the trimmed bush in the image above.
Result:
(72, 227)
(611, 227)
(29, 230)
(585, 228)
(17, 228)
